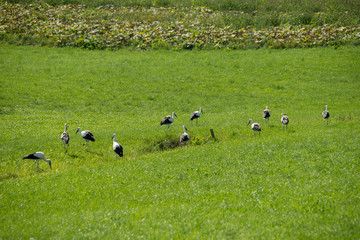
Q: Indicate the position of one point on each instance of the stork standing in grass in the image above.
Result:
(184, 137)
(118, 149)
(266, 115)
(284, 120)
(326, 115)
(196, 115)
(87, 135)
(65, 138)
(168, 120)
(255, 127)
(37, 156)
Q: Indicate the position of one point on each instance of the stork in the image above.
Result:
(65, 138)
(184, 137)
(38, 156)
(284, 120)
(196, 115)
(168, 120)
(118, 149)
(255, 127)
(87, 135)
(326, 115)
(266, 115)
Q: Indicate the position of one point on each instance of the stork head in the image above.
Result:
(283, 114)
(325, 107)
(249, 122)
(184, 127)
(114, 135)
(267, 107)
(77, 130)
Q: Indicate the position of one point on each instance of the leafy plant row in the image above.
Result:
(157, 27)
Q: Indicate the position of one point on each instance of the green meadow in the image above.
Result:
(302, 183)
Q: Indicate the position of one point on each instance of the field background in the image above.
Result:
(303, 183)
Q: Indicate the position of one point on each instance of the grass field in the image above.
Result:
(299, 184)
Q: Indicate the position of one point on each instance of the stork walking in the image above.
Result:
(37, 156)
(196, 115)
(326, 115)
(87, 135)
(65, 138)
(168, 120)
(184, 137)
(284, 120)
(266, 115)
(255, 127)
(118, 149)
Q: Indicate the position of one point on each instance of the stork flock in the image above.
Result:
(168, 120)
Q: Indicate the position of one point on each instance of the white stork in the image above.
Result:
(284, 120)
(65, 138)
(38, 156)
(168, 120)
(326, 115)
(184, 137)
(266, 115)
(87, 135)
(255, 127)
(118, 149)
(196, 115)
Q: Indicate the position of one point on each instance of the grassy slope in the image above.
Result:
(299, 184)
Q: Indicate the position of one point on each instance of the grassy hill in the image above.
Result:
(302, 183)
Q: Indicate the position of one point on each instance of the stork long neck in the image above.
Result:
(172, 115)
(114, 139)
(184, 129)
(65, 129)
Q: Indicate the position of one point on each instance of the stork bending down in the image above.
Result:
(87, 135)
(255, 127)
(37, 156)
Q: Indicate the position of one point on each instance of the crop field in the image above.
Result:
(302, 183)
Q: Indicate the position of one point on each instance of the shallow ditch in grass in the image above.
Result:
(168, 142)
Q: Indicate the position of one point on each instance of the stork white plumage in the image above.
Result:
(196, 115)
(184, 138)
(118, 149)
(168, 120)
(255, 127)
(87, 135)
(326, 115)
(284, 120)
(65, 138)
(37, 156)
(266, 115)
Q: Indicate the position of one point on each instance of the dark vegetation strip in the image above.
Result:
(98, 25)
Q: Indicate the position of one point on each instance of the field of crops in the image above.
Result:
(294, 184)
(190, 27)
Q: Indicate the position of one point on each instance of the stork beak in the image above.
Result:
(50, 165)
(175, 115)
(77, 130)
(112, 137)
(248, 123)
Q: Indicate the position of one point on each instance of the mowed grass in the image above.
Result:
(303, 183)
